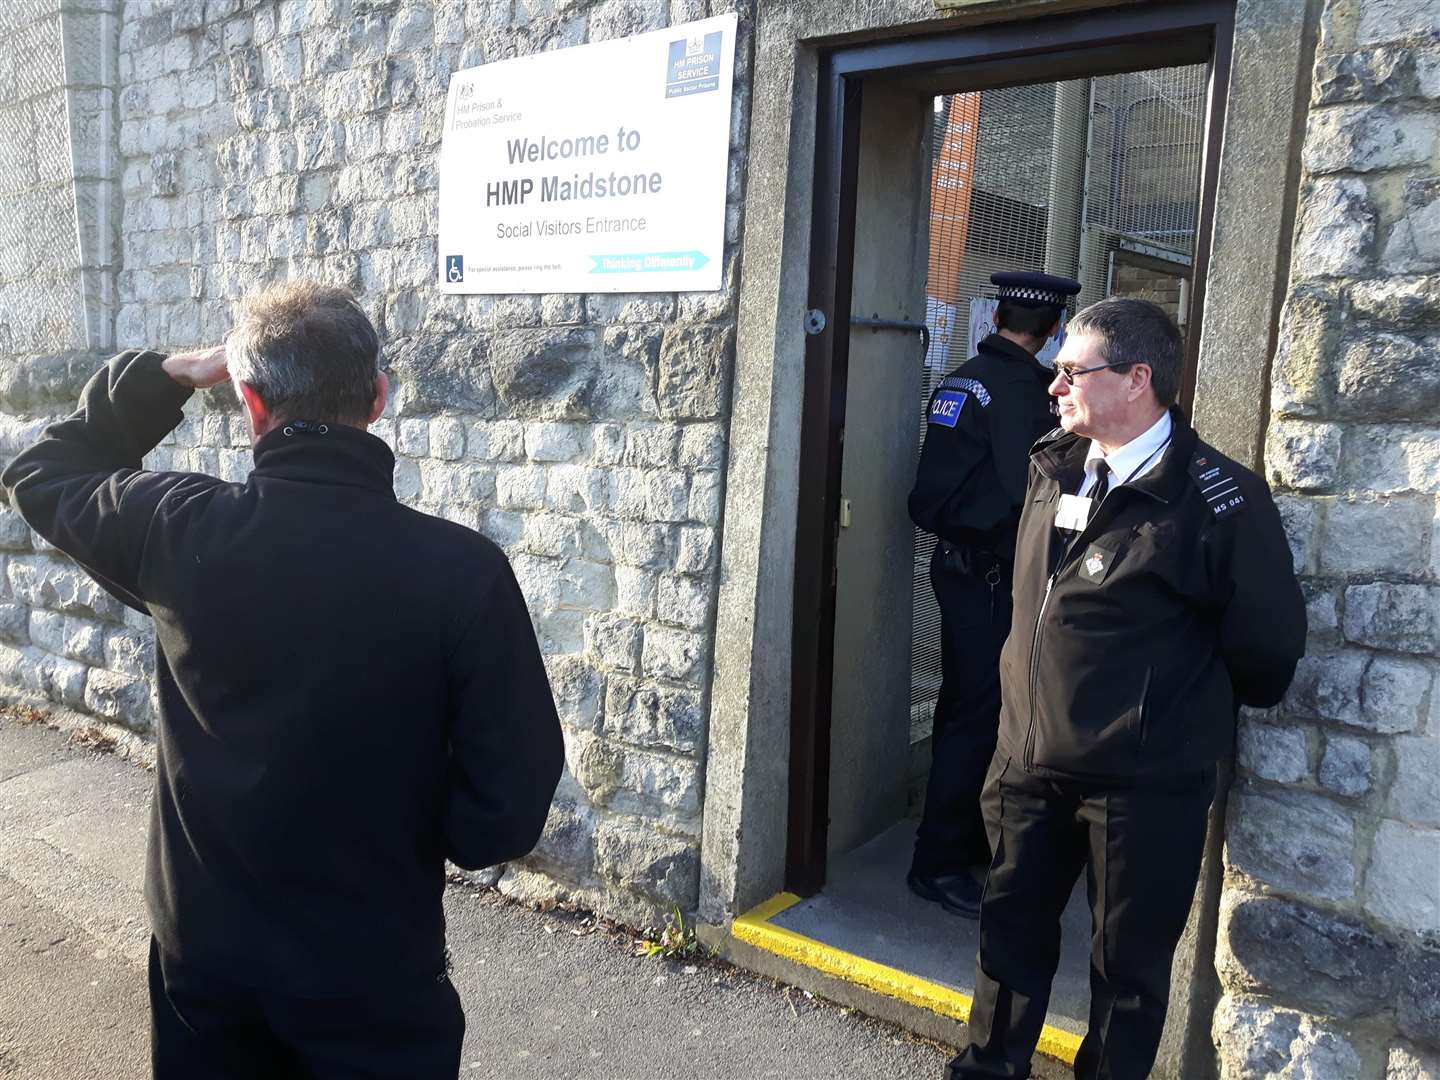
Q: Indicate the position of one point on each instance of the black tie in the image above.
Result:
(1102, 485)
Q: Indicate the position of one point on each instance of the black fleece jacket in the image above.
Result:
(350, 690)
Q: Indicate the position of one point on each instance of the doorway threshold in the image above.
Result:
(868, 931)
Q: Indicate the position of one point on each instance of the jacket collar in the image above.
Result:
(326, 454)
(1008, 350)
(1060, 456)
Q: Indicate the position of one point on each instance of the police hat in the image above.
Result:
(1032, 288)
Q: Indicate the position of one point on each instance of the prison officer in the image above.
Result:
(1154, 594)
(981, 422)
(350, 692)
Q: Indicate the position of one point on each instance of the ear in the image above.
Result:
(382, 395)
(256, 411)
(1139, 380)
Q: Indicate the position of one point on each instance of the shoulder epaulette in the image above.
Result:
(970, 386)
(1215, 477)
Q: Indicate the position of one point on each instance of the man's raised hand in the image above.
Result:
(198, 369)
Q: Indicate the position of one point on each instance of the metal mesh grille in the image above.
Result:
(1097, 179)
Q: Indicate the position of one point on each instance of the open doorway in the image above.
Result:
(1100, 175)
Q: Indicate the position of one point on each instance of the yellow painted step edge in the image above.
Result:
(754, 928)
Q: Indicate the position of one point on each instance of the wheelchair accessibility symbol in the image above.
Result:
(454, 268)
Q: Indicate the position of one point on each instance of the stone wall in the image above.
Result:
(257, 141)
(1330, 921)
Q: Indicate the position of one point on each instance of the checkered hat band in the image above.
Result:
(1040, 296)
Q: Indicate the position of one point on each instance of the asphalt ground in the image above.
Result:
(546, 993)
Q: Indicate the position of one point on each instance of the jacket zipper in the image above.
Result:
(1035, 668)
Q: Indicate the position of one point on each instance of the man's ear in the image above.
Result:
(1139, 380)
(382, 394)
(255, 410)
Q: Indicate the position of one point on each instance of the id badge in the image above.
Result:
(1073, 513)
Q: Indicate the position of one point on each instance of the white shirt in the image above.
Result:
(1131, 461)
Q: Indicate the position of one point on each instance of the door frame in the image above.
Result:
(984, 57)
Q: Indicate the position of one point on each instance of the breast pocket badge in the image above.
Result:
(1096, 564)
(945, 408)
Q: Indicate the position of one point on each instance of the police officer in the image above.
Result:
(1154, 594)
(981, 422)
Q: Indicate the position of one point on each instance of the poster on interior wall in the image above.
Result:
(599, 168)
(982, 325)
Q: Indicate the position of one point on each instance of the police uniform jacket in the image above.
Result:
(349, 691)
(981, 422)
(1135, 640)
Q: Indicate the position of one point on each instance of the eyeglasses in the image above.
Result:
(1068, 374)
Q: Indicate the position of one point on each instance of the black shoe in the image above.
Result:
(958, 894)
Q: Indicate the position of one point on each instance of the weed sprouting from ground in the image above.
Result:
(675, 941)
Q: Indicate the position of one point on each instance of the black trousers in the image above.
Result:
(204, 1028)
(975, 622)
(1140, 848)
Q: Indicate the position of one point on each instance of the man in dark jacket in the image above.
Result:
(969, 486)
(1154, 594)
(350, 692)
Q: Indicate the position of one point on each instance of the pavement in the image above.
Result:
(546, 993)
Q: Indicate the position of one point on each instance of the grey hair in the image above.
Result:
(309, 350)
(1134, 332)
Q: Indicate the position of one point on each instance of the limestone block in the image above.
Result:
(84, 641)
(1389, 377)
(685, 601)
(560, 631)
(1388, 459)
(650, 445)
(579, 691)
(129, 652)
(1362, 138)
(1393, 694)
(1293, 840)
(1389, 616)
(14, 533)
(552, 442)
(635, 591)
(673, 654)
(1311, 959)
(1382, 74)
(1299, 517)
(407, 480)
(1406, 1063)
(552, 535)
(577, 488)
(695, 366)
(569, 583)
(706, 489)
(613, 641)
(1414, 241)
(1427, 72)
(1419, 1002)
(545, 373)
(567, 843)
(15, 624)
(1402, 885)
(696, 552)
(1398, 303)
(447, 438)
(1258, 1041)
(702, 446)
(638, 543)
(1368, 536)
(413, 437)
(1337, 230)
(1415, 793)
(595, 763)
(611, 308)
(441, 369)
(1346, 767)
(562, 309)
(120, 698)
(658, 783)
(1383, 21)
(520, 487)
(445, 484)
(639, 856)
(625, 18)
(656, 716)
(1267, 751)
(43, 582)
(1302, 455)
(411, 29)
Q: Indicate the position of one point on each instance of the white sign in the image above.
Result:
(600, 168)
(982, 325)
